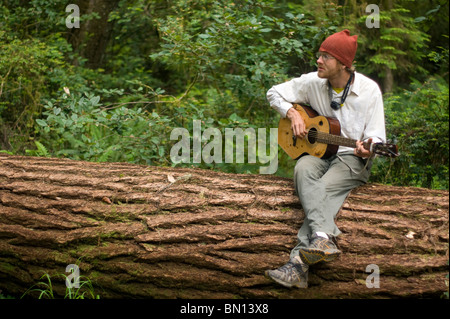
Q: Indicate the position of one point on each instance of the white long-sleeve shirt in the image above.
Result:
(361, 117)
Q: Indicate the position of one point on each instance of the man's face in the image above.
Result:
(327, 66)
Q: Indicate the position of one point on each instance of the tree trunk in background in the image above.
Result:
(388, 81)
(208, 234)
(91, 39)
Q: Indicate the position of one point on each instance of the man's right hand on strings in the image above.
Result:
(297, 123)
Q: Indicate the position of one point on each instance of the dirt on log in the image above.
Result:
(155, 232)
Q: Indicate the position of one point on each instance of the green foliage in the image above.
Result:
(44, 289)
(398, 45)
(41, 149)
(25, 69)
(235, 51)
(79, 127)
(418, 121)
(168, 63)
(5, 297)
(32, 61)
(395, 48)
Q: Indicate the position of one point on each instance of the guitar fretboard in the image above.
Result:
(334, 139)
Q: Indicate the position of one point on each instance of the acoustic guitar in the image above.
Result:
(323, 138)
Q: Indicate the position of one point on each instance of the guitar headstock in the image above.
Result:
(389, 150)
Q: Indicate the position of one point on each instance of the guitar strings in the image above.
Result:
(327, 138)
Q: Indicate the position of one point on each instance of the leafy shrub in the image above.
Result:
(418, 121)
(79, 127)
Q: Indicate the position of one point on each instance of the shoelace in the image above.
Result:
(291, 265)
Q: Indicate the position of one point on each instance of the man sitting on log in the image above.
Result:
(322, 185)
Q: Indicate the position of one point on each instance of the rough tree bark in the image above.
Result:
(135, 234)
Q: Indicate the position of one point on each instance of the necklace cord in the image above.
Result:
(344, 95)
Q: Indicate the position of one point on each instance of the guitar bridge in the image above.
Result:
(294, 139)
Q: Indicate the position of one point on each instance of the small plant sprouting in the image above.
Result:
(45, 290)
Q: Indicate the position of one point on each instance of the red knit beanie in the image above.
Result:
(342, 46)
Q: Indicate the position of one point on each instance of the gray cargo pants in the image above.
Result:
(322, 186)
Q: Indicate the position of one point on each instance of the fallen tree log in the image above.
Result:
(156, 232)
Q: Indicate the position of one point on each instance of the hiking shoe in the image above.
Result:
(319, 249)
(293, 274)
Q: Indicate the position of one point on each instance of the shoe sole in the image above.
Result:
(284, 284)
(311, 256)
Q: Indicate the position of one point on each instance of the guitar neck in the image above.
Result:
(336, 140)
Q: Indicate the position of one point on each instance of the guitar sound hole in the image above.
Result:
(312, 133)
